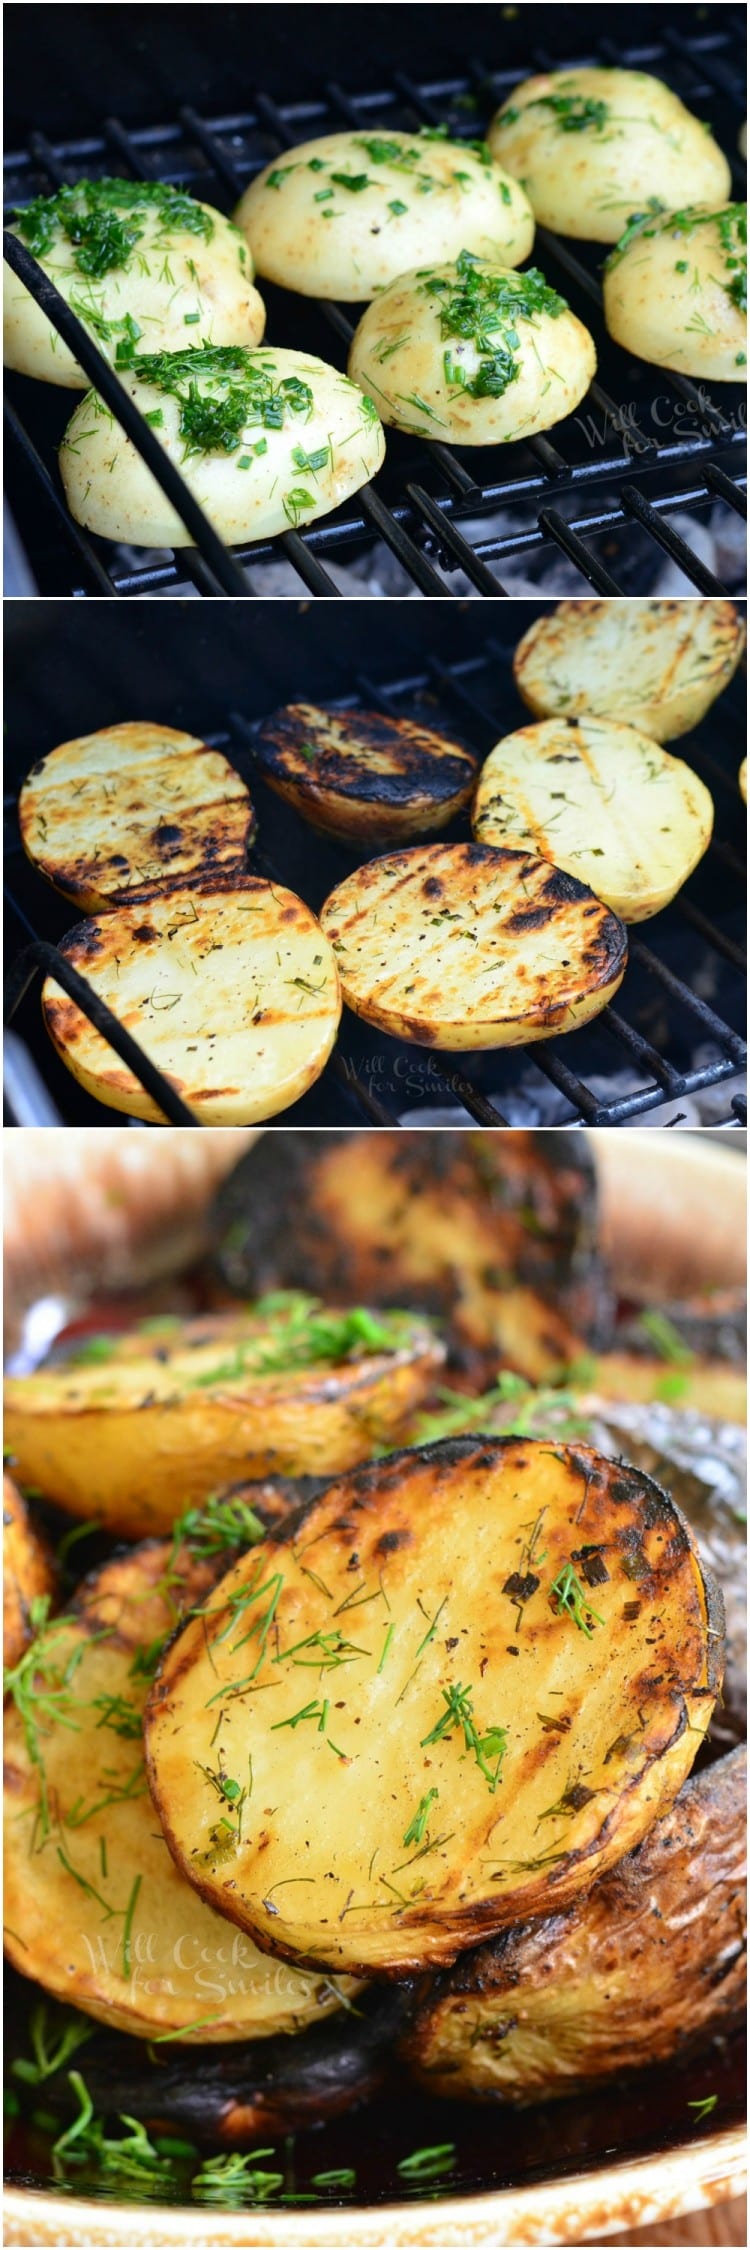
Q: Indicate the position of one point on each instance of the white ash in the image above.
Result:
(535, 1102)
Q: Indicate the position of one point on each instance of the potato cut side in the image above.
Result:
(675, 291)
(592, 145)
(142, 1427)
(29, 1575)
(519, 1654)
(95, 1909)
(113, 812)
(227, 983)
(358, 775)
(602, 801)
(657, 665)
(649, 1962)
(465, 946)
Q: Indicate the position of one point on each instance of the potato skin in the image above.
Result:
(399, 355)
(656, 665)
(648, 1964)
(372, 779)
(449, 1523)
(171, 275)
(584, 172)
(137, 1439)
(29, 1572)
(110, 490)
(175, 806)
(667, 293)
(311, 233)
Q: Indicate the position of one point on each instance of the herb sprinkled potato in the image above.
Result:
(95, 1908)
(592, 146)
(675, 291)
(472, 352)
(362, 775)
(658, 665)
(344, 215)
(133, 258)
(601, 800)
(29, 1576)
(267, 440)
(227, 983)
(135, 1429)
(110, 812)
(531, 1654)
(460, 945)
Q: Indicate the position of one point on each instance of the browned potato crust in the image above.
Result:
(649, 1962)
(358, 775)
(28, 1571)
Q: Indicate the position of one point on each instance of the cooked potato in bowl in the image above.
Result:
(135, 1429)
(472, 352)
(593, 146)
(601, 800)
(266, 440)
(657, 665)
(675, 291)
(344, 215)
(133, 258)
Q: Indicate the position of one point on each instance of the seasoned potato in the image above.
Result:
(472, 352)
(543, 954)
(132, 258)
(267, 440)
(131, 805)
(29, 1576)
(648, 1963)
(675, 291)
(708, 1385)
(657, 665)
(602, 801)
(358, 775)
(592, 146)
(143, 1426)
(492, 1777)
(95, 1908)
(229, 986)
(344, 215)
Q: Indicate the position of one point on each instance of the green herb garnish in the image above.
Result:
(459, 1713)
(571, 1600)
(90, 217)
(484, 307)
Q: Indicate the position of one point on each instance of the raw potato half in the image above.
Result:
(133, 259)
(647, 1963)
(344, 215)
(462, 946)
(592, 146)
(358, 775)
(675, 292)
(142, 1427)
(482, 1755)
(95, 1909)
(604, 802)
(267, 441)
(29, 1574)
(657, 665)
(229, 986)
(111, 812)
(472, 352)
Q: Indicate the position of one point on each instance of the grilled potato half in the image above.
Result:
(657, 665)
(267, 440)
(227, 983)
(602, 801)
(143, 1426)
(131, 805)
(592, 146)
(29, 1575)
(531, 1652)
(343, 215)
(362, 777)
(463, 946)
(648, 1963)
(95, 1909)
(675, 291)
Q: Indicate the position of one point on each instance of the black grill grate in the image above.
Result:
(595, 499)
(679, 1020)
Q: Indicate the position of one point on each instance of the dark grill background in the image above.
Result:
(206, 97)
(217, 673)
